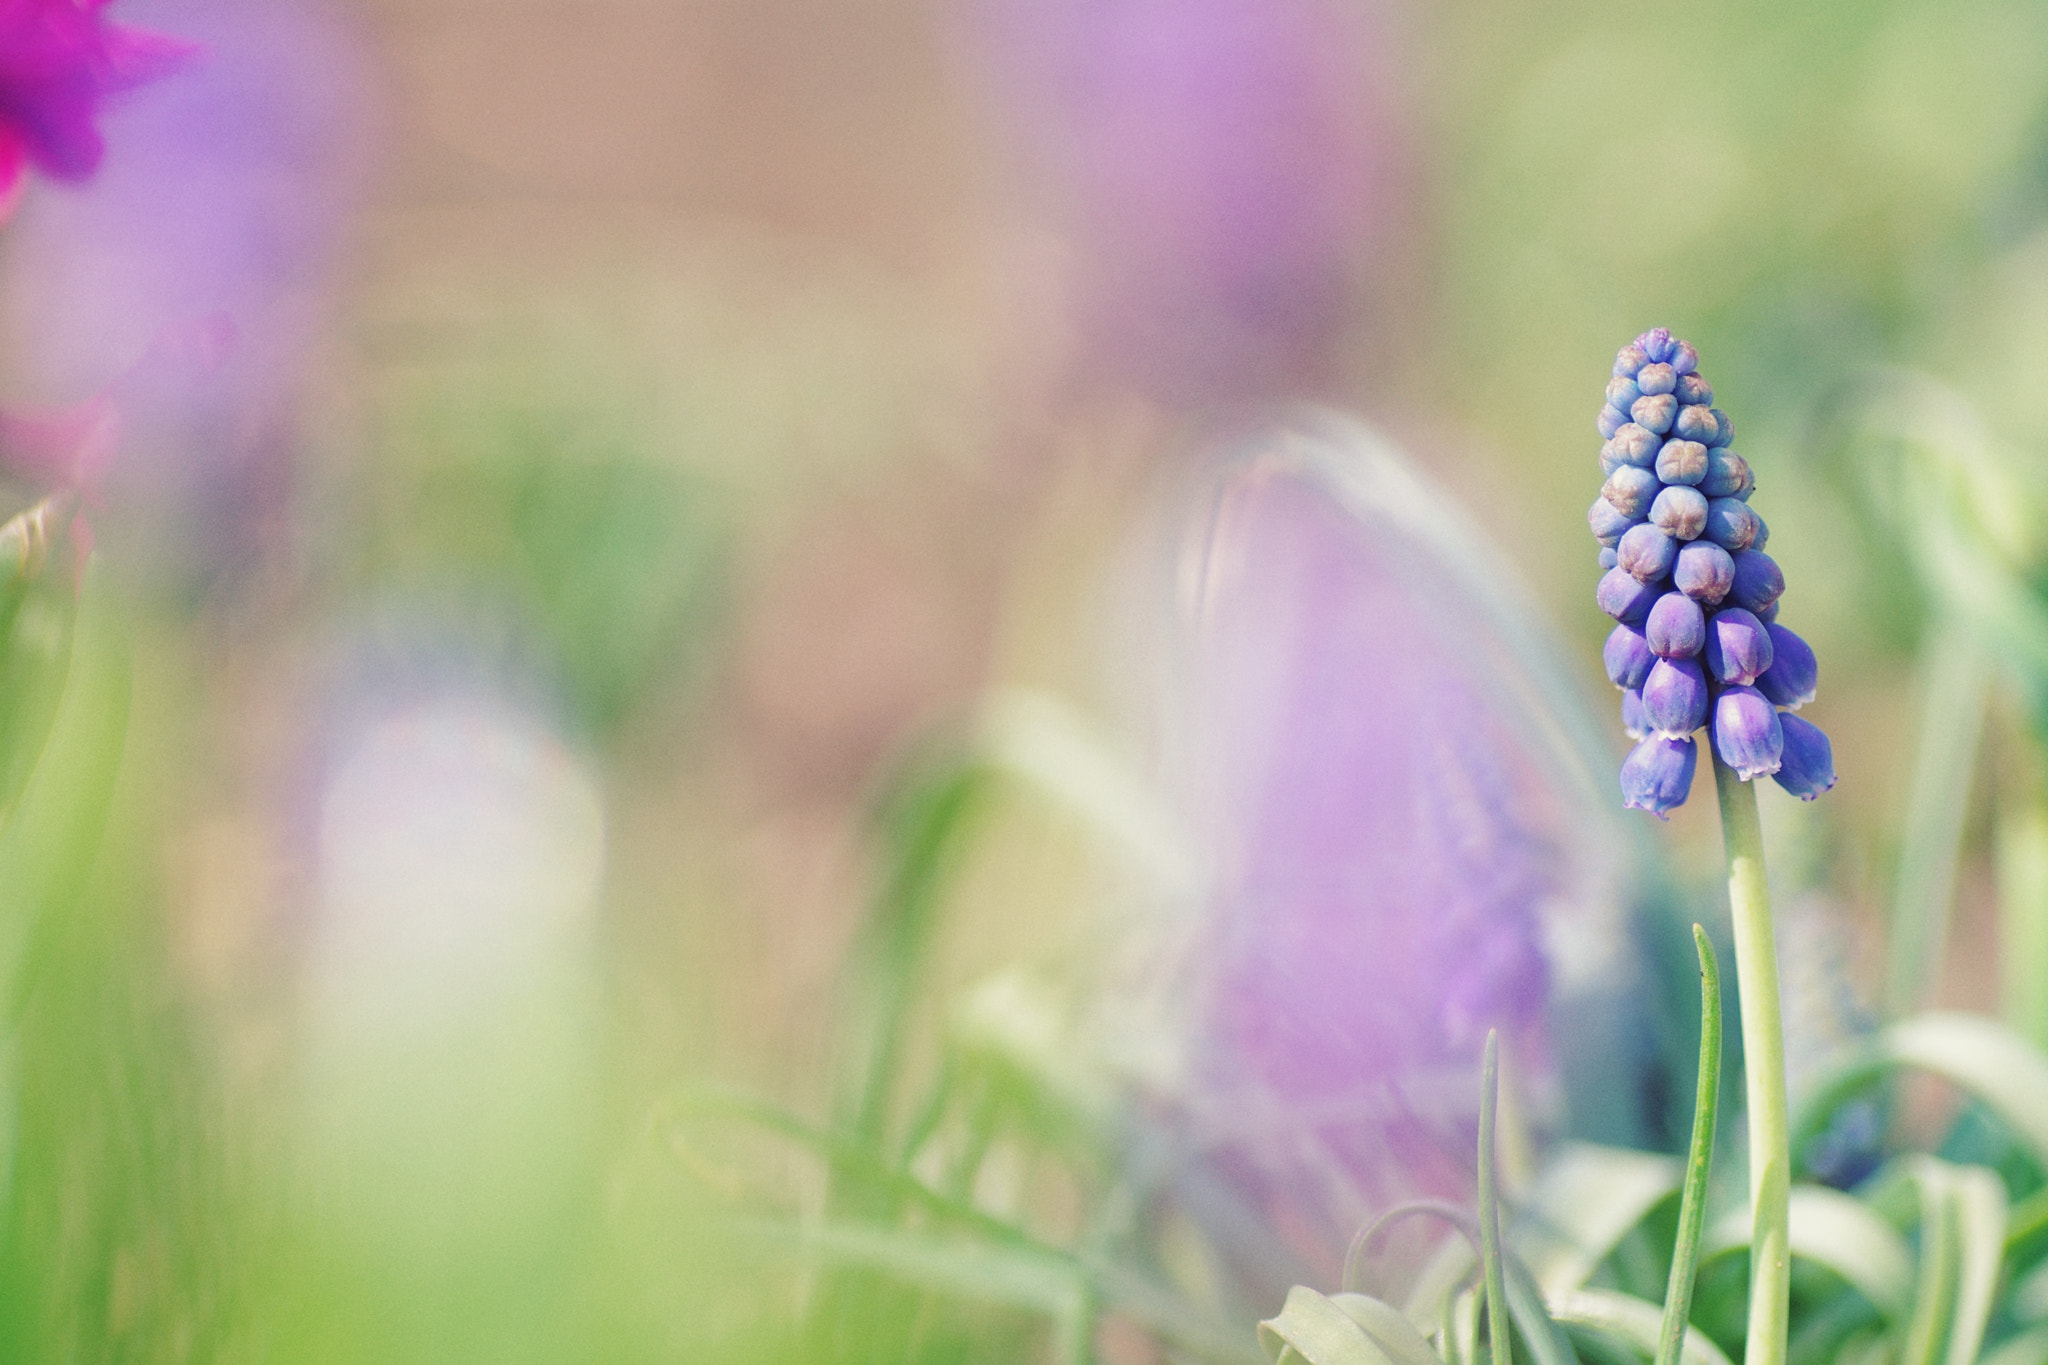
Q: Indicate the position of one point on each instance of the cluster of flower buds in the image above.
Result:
(1695, 598)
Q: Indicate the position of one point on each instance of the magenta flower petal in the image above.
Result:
(59, 60)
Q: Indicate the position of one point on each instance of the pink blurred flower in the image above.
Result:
(58, 60)
(195, 279)
(69, 449)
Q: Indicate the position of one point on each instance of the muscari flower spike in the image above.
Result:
(1698, 641)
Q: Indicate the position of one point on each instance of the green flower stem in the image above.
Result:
(1763, 1054)
(1692, 1207)
(1499, 1335)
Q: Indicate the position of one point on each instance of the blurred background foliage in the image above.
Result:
(623, 785)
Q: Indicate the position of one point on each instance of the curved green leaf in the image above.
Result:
(1019, 1276)
(1962, 1241)
(1979, 1197)
(1585, 1201)
(1429, 1302)
(1547, 1342)
(1978, 1055)
(1934, 1291)
(2028, 1348)
(1636, 1321)
(1393, 1333)
(51, 838)
(1320, 1332)
(2028, 1301)
(1362, 1242)
(1842, 1233)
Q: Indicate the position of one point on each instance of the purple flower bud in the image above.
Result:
(1608, 521)
(1724, 429)
(1657, 775)
(1680, 511)
(1621, 597)
(1622, 392)
(1675, 627)
(1704, 571)
(1684, 359)
(1646, 552)
(1746, 732)
(1730, 524)
(1794, 673)
(1682, 462)
(1655, 411)
(1608, 558)
(1727, 474)
(1635, 445)
(1628, 360)
(1652, 379)
(1693, 391)
(1695, 423)
(1633, 723)
(1675, 697)
(1758, 581)
(1657, 344)
(1630, 490)
(1806, 765)
(1763, 533)
(1609, 422)
(1738, 646)
(1766, 614)
(1628, 657)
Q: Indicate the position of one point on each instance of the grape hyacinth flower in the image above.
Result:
(1696, 597)
(1692, 588)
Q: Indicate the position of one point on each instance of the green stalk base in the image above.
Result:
(1763, 1050)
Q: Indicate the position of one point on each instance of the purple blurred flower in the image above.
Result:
(59, 59)
(1231, 174)
(1384, 839)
